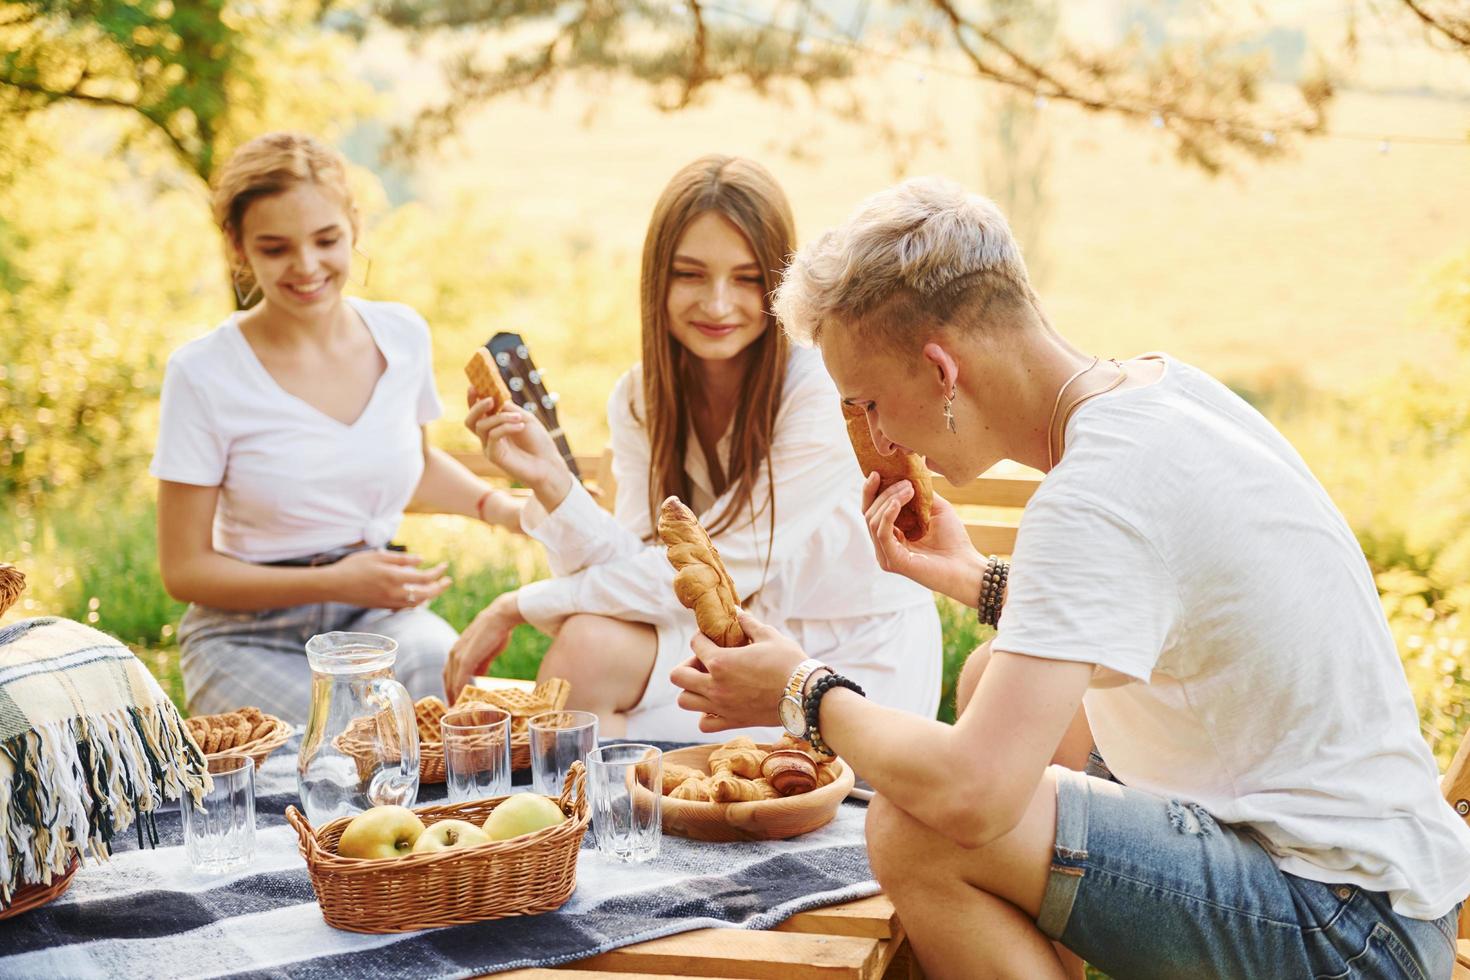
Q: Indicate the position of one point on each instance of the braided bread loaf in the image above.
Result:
(700, 580)
(913, 520)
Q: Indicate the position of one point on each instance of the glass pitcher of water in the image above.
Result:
(361, 747)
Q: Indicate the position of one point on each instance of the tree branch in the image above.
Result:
(1457, 31)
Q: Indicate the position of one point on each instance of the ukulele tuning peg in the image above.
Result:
(547, 401)
(521, 351)
(503, 359)
(516, 384)
(552, 398)
(535, 377)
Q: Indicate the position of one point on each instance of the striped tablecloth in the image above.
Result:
(146, 913)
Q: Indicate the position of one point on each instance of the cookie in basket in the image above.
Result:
(248, 730)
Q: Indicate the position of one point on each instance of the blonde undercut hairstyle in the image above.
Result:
(922, 254)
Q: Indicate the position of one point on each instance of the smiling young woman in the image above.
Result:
(290, 441)
(723, 413)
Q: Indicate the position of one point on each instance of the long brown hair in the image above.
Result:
(745, 193)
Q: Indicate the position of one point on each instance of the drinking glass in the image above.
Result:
(559, 738)
(625, 785)
(476, 753)
(219, 832)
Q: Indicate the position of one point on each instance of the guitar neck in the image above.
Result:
(528, 389)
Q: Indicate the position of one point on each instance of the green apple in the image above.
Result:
(382, 832)
(523, 813)
(449, 833)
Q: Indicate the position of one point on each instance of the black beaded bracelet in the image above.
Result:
(992, 590)
(813, 704)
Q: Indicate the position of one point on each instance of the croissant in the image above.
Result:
(768, 792)
(675, 774)
(694, 788)
(739, 756)
(700, 580)
(728, 788)
(789, 741)
(790, 772)
(913, 520)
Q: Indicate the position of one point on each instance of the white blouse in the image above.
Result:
(821, 567)
(293, 480)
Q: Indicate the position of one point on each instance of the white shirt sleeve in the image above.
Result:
(191, 449)
(579, 533)
(809, 456)
(1087, 586)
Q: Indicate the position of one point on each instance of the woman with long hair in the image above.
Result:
(747, 431)
(290, 441)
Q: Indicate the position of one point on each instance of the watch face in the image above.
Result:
(792, 717)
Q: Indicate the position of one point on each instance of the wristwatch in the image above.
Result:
(793, 706)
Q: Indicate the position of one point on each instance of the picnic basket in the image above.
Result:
(550, 695)
(521, 876)
(34, 896)
(273, 733)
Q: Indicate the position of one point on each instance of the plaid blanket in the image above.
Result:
(147, 914)
(89, 745)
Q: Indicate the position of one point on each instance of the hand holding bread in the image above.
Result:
(700, 580)
(913, 520)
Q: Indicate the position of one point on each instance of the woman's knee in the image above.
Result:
(970, 676)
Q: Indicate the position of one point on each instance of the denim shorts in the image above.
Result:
(1143, 886)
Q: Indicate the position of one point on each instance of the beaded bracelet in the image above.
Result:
(813, 703)
(992, 590)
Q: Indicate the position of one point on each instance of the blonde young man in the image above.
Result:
(1271, 809)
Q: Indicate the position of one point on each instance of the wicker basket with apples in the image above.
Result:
(392, 869)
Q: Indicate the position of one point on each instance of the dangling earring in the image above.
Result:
(949, 410)
(367, 269)
(244, 299)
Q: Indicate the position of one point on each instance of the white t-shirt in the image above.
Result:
(294, 481)
(1243, 659)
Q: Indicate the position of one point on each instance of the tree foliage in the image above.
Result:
(1208, 93)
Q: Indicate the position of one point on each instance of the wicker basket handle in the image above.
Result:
(12, 584)
(574, 785)
(302, 826)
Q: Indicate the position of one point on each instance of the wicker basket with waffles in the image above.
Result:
(550, 695)
(244, 731)
(524, 875)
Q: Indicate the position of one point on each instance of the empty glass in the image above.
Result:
(219, 832)
(559, 738)
(476, 753)
(625, 784)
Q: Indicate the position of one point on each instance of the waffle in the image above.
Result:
(429, 712)
(221, 733)
(550, 695)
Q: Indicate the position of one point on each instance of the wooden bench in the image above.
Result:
(859, 940)
(991, 537)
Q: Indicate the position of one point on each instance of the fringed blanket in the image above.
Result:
(89, 744)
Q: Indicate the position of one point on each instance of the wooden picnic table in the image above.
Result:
(861, 940)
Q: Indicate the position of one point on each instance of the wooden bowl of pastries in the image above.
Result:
(244, 731)
(744, 791)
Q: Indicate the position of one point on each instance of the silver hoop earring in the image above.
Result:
(949, 411)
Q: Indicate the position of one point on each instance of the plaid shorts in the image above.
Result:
(231, 658)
